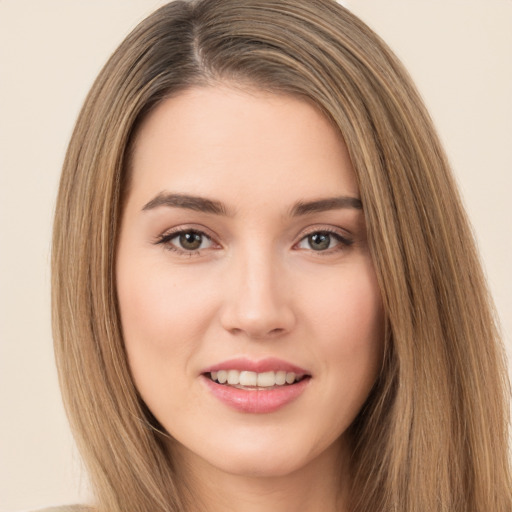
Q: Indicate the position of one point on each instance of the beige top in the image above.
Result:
(67, 508)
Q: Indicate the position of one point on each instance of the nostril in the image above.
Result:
(256, 303)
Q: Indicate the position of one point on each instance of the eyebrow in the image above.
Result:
(196, 203)
(322, 205)
(212, 206)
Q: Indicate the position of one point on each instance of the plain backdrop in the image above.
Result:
(459, 52)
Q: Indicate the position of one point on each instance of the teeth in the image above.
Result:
(290, 378)
(280, 378)
(253, 379)
(233, 377)
(248, 378)
(267, 379)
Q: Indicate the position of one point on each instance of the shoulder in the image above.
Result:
(67, 508)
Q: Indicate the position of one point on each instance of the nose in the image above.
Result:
(258, 299)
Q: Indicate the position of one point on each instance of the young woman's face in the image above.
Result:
(243, 256)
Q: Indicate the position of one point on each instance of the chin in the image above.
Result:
(256, 455)
(263, 466)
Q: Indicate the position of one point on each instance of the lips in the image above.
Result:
(256, 386)
(263, 365)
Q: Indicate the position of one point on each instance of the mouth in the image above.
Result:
(254, 381)
(256, 386)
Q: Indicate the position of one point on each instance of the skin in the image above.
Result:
(258, 287)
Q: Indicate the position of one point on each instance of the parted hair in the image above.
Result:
(432, 435)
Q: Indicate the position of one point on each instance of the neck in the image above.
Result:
(320, 485)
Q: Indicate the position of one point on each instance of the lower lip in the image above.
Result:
(258, 401)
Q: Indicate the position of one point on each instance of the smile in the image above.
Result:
(256, 387)
(253, 380)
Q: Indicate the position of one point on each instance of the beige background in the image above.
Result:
(458, 51)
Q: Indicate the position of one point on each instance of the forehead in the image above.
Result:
(233, 144)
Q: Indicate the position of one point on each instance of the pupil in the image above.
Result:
(190, 241)
(319, 241)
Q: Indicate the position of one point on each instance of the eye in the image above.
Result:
(186, 241)
(323, 241)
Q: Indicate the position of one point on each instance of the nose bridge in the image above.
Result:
(258, 301)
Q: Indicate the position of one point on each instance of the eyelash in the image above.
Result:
(343, 242)
(165, 240)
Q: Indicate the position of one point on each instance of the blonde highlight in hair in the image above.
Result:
(433, 434)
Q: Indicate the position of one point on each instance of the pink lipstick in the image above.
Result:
(257, 387)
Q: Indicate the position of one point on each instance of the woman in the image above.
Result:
(266, 293)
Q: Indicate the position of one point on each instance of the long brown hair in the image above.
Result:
(433, 434)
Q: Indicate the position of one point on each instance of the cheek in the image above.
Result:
(347, 308)
(159, 306)
(162, 324)
(163, 321)
(347, 320)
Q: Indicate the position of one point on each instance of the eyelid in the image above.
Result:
(319, 228)
(198, 228)
(165, 238)
(345, 240)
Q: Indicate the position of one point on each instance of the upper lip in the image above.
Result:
(259, 366)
